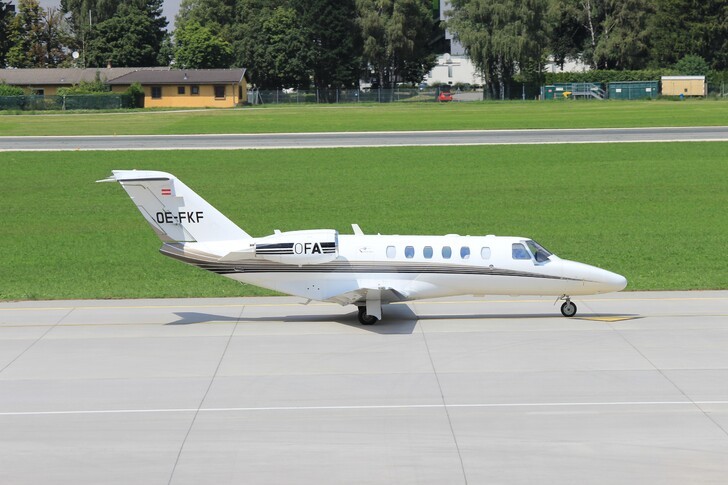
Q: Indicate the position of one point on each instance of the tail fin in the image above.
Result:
(174, 211)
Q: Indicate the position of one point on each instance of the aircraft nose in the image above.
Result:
(612, 281)
(595, 280)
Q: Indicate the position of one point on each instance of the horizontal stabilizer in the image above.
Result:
(233, 256)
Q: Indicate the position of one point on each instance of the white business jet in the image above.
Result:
(363, 270)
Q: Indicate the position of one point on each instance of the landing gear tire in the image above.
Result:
(365, 319)
(568, 309)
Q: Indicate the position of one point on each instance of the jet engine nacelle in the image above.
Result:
(299, 247)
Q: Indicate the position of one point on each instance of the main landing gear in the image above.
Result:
(365, 318)
(568, 309)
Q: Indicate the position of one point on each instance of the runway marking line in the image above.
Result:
(321, 147)
(372, 407)
(417, 302)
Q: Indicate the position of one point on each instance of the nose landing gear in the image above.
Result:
(568, 309)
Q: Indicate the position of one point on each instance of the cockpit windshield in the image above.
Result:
(539, 252)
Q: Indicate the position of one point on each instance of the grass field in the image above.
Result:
(414, 116)
(653, 212)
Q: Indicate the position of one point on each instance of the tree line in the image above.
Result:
(506, 38)
(335, 43)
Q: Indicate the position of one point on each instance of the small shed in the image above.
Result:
(685, 85)
(633, 90)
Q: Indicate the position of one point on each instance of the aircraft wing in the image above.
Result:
(385, 295)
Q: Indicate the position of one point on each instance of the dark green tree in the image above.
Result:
(501, 37)
(272, 44)
(567, 31)
(26, 36)
(85, 13)
(396, 39)
(335, 38)
(57, 38)
(217, 15)
(682, 27)
(133, 36)
(606, 34)
(198, 48)
(7, 14)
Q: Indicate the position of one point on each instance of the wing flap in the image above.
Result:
(360, 295)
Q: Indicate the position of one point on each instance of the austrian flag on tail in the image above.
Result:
(166, 191)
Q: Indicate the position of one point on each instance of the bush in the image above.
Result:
(97, 86)
(8, 90)
(134, 90)
(691, 65)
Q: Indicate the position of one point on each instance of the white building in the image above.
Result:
(453, 69)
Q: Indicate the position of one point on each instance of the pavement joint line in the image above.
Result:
(444, 404)
(50, 327)
(368, 407)
(672, 383)
(204, 396)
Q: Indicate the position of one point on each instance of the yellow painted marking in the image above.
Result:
(608, 319)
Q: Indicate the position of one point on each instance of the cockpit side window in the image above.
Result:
(539, 252)
(519, 251)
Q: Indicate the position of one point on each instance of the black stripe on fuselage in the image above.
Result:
(258, 267)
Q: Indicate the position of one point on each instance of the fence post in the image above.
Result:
(379, 95)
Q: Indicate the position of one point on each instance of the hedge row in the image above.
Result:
(607, 76)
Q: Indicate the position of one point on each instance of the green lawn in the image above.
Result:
(387, 117)
(653, 212)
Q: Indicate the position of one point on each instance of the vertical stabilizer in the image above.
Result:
(175, 212)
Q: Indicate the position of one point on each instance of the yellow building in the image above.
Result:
(163, 87)
(188, 88)
(685, 85)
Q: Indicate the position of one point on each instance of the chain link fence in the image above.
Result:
(70, 102)
(718, 90)
(328, 96)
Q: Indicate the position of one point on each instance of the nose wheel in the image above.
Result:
(568, 309)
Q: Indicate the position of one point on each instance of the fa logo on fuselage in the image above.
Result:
(307, 248)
